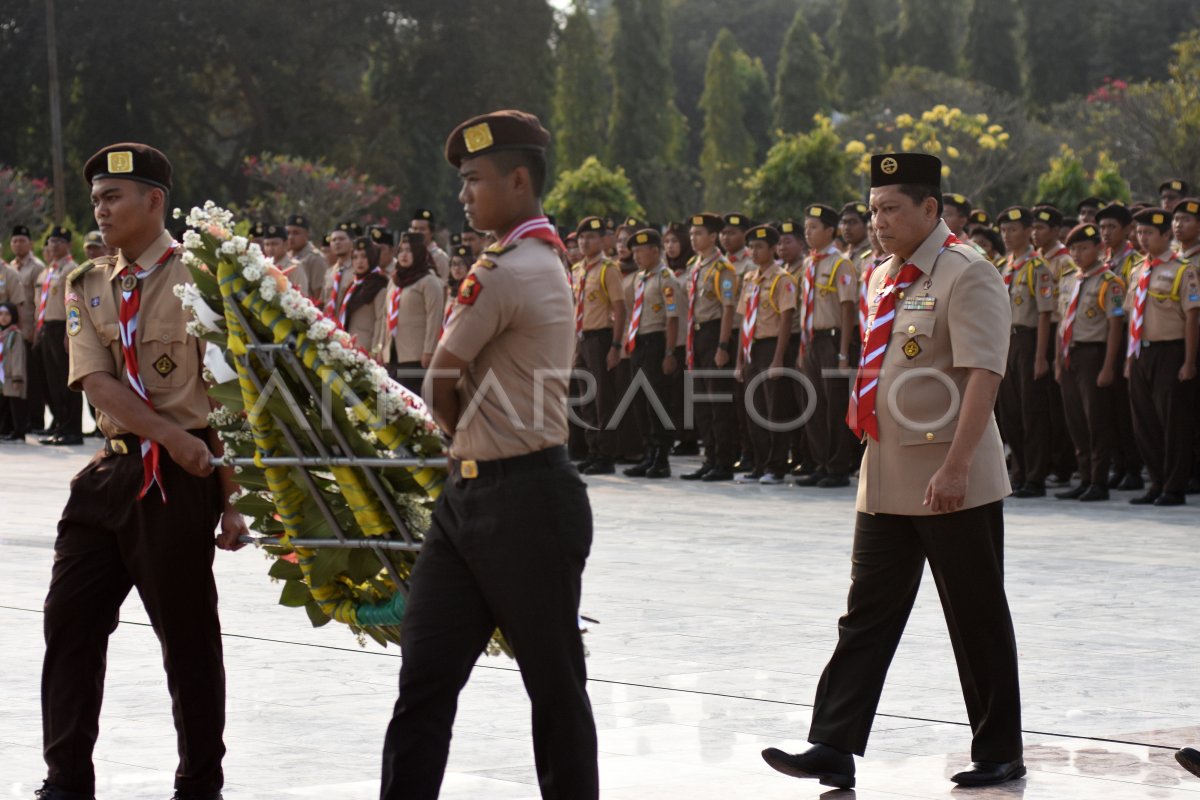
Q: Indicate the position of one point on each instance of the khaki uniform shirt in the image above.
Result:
(1101, 298)
(331, 273)
(777, 293)
(56, 309)
(296, 274)
(1173, 291)
(28, 268)
(1032, 288)
(966, 328)
(1061, 265)
(796, 270)
(314, 267)
(513, 321)
(419, 322)
(715, 282)
(170, 360)
(660, 299)
(741, 261)
(441, 261)
(836, 283)
(601, 284)
(12, 367)
(10, 286)
(367, 323)
(1123, 262)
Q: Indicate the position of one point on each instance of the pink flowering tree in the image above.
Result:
(23, 201)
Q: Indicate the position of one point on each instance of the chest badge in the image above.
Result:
(94, 302)
(128, 282)
(1018, 300)
(1091, 312)
(164, 366)
(922, 303)
(911, 349)
(656, 308)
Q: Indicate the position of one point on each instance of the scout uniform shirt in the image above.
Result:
(419, 319)
(1123, 262)
(660, 300)
(169, 358)
(1173, 291)
(1031, 287)
(835, 282)
(776, 294)
(28, 268)
(953, 318)
(796, 270)
(57, 273)
(10, 286)
(598, 283)
(366, 322)
(513, 321)
(1058, 260)
(441, 261)
(312, 263)
(628, 288)
(742, 261)
(714, 284)
(12, 362)
(1101, 297)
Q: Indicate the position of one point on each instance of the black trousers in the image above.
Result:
(965, 550)
(629, 433)
(409, 374)
(507, 550)
(647, 359)
(35, 388)
(683, 432)
(1063, 460)
(593, 350)
(14, 416)
(67, 406)
(1025, 406)
(109, 542)
(1126, 457)
(1088, 409)
(1164, 414)
(768, 401)
(830, 441)
(718, 420)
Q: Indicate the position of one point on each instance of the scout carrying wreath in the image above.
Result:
(322, 441)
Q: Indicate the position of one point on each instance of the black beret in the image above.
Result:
(1086, 232)
(737, 219)
(423, 213)
(633, 222)
(1188, 205)
(59, 232)
(381, 235)
(592, 224)
(256, 230)
(508, 129)
(646, 237)
(363, 243)
(763, 233)
(1019, 214)
(22, 230)
(462, 251)
(713, 222)
(1089, 202)
(789, 227)
(890, 169)
(298, 221)
(1115, 211)
(1158, 217)
(1174, 185)
(273, 231)
(860, 209)
(455, 239)
(979, 217)
(961, 203)
(826, 214)
(1047, 214)
(992, 235)
(132, 162)
(352, 228)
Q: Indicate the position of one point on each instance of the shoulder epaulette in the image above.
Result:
(666, 272)
(80, 271)
(483, 262)
(693, 259)
(498, 249)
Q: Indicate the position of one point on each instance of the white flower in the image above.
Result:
(177, 213)
(268, 290)
(190, 259)
(240, 243)
(253, 273)
(228, 248)
(321, 330)
(191, 239)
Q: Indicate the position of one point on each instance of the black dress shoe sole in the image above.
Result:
(783, 762)
(966, 779)
(1189, 759)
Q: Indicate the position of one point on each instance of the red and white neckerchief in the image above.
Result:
(587, 268)
(331, 304)
(1068, 323)
(691, 319)
(358, 279)
(1061, 250)
(51, 274)
(1138, 320)
(860, 415)
(734, 258)
(1014, 269)
(810, 294)
(750, 320)
(128, 323)
(393, 317)
(635, 318)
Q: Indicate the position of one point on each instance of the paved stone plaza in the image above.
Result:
(718, 609)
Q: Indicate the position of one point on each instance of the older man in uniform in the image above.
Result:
(50, 340)
(142, 512)
(29, 267)
(310, 259)
(513, 527)
(424, 223)
(932, 485)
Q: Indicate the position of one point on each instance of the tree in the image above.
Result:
(991, 51)
(728, 151)
(1054, 38)
(801, 168)
(755, 92)
(857, 60)
(925, 33)
(801, 83)
(1065, 183)
(1107, 183)
(23, 200)
(590, 189)
(322, 193)
(580, 93)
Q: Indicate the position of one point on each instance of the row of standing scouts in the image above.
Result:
(737, 340)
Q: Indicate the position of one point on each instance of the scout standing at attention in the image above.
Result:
(931, 486)
(513, 527)
(142, 512)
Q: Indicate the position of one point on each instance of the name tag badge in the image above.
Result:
(923, 303)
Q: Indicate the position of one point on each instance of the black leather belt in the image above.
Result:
(471, 469)
(124, 445)
(1161, 342)
(1018, 329)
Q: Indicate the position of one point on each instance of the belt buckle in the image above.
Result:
(468, 469)
(118, 447)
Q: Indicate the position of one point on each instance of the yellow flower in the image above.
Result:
(945, 171)
(854, 147)
(952, 152)
(994, 129)
(1002, 137)
(907, 143)
(981, 119)
(904, 121)
(987, 142)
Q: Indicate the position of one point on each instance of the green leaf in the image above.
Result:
(328, 564)
(285, 571)
(315, 615)
(253, 505)
(228, 394)
(362, 565)
(294, 594)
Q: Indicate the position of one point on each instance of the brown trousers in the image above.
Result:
(830, 442)
(601, 437)
(1164, 414)
(1025, 408)
(1088, 409)
(109, 542)
(717, 420)
(771, 400)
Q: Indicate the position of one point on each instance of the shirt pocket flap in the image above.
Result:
(914, 433)
(163, 331)
(914, 325)
(108, 332)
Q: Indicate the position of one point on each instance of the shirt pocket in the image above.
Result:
(108, 332)
(166, 358)
(912, 339)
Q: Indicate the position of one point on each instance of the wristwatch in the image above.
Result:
(726, 346)
(615, 346)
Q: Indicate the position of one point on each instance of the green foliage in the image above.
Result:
(755, 91)
(728, 152)
(801, 168)
(23, 200)
(990, 54)
(802, 82)
(1107, 183)
(1054, 43)
(857, 55)
(580, 92)
(590, 189)
(926, 35)
(1065, 183)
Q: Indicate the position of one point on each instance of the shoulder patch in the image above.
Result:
(469, 291)
(80, 271)
(498, 250)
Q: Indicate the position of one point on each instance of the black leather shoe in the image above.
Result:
(811, 480)
(640, 469)
(1095, 492)
(686, 449)
(1148, 499)
(801, 471)
(69, 441)
(1114, 479)
(989, 773)
(754, 476)
(1170, 499)
(743, 465)
(827, 764)
(1030, 490)
(833, 482)
(184, 796)
(587, 462)
(718, 474)
(1189, 759)
(1073, 494)
(1131, 483)
(698, 474)
(50, 792)
(601, 466)
(661, 468)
